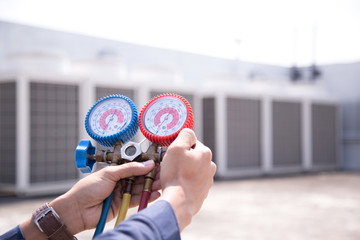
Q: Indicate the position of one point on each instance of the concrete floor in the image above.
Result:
(302, 207)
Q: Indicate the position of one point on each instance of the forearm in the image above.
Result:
(31, 231)
(175, 195)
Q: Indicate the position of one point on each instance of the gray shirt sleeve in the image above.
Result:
(155, 222)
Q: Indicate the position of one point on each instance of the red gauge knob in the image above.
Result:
(164, 116)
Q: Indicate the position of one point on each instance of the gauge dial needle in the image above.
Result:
(110, 120)
(166, 118)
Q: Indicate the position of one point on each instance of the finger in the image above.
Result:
(115, 173)
(202, 151)
(186, 138)
(213, 168)
(199, 146)
(156, 185)
(157, 176)
(154, 195)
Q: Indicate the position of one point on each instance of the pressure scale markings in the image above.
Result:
(112, 118)
(166, 118)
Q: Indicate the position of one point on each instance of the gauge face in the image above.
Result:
(110, 116)
(165, 116)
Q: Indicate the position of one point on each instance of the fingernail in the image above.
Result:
(148, 163)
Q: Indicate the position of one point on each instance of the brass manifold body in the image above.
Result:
(129, 152)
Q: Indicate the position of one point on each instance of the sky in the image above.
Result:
(277, 32)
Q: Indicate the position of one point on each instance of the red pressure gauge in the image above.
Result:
(163, 117)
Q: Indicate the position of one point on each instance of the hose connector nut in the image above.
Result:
(130, 151)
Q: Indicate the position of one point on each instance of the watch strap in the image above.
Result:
(48, 222)
(61, 234)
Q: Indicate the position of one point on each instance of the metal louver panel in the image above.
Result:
(324, 134)
(243, 128)
(8, 132)
(53, 131)
(286, 120)
(209, 131)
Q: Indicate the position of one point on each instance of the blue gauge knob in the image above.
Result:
(112, 119)
(82, 152)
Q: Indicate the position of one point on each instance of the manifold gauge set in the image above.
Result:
(113, 121)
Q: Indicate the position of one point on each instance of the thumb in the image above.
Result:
(115, 173)
(186, 138)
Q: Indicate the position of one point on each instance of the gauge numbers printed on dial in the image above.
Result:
(165, 116)
(110, 116)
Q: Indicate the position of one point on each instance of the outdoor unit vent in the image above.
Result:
(53, 132)
(286, 133)
(324, 134)
(252, 134)
(209, 125)
(243, 129)
(232, 128)
(8, 132)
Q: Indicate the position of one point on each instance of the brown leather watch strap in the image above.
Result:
(48, 221)
(61, 234)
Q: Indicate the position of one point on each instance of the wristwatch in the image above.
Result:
(48, 222)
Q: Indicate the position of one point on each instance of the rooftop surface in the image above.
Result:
(301, 207)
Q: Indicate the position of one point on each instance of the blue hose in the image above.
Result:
(104, 214)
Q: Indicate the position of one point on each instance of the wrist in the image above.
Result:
(31, 231)
(175, 195)
(47, 222)
(69, 213)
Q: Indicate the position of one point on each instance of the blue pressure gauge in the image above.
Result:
(112, 119)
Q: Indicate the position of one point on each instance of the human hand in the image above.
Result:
(80, 208)
(186, 176)
(82, 205)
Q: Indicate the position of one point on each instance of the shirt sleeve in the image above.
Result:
(155, 222)
(13, 234)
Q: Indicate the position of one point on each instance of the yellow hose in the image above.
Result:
(125, 202)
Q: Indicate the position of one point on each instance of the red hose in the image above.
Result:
(145, 196)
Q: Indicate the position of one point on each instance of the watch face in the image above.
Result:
(110, 116)
(165, 116)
